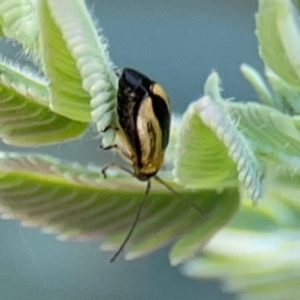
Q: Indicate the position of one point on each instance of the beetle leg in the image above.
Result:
(115, 146)
(114, 165)
(109, 147)
(109, 127)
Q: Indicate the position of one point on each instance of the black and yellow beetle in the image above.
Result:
(144, 116)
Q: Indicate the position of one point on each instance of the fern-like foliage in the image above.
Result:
(223, 155)
(257, 254)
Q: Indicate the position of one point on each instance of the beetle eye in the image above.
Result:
(132, 77)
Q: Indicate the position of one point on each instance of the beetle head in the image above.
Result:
(134, 83)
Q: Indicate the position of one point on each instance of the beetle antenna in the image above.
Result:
(137, 216)
(168, 187)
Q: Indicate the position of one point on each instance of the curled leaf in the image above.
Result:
(18, 21)
(211, 149)
(278, 33)
(259, 84)
(25, 117)
(74, 54)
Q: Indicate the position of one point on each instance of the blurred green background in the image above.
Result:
(177, 43)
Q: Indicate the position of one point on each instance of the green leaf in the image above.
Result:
(202, 160)
(258, 84)
(284, 193)
(278, 33)
(286, 97)
(265, 219)
(68, 97)
(78, 203)
(222, 211)
(77, 63)
(257, 254)
(272, 135)
(24, 81)
(258, 265)
(171, 150)
(212, 152)
(25, 118)
(18, 21)
(298, 4)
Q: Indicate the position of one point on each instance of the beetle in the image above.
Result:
(144, 115)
